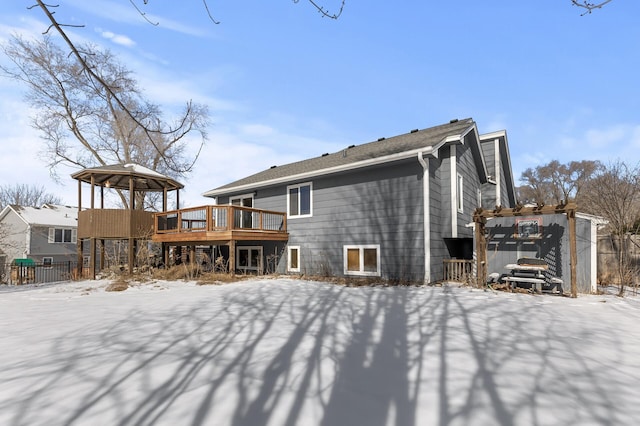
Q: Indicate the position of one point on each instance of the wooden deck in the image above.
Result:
(219, 224)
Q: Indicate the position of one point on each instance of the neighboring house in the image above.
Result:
(395, 208)
(44, 234)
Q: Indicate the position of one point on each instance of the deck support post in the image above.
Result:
(92, 256)
(102, 255)
(232, 257)
(132, 249)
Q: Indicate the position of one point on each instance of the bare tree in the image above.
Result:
(614, 193)
(99, 118)
(555, 182)
(26, 195)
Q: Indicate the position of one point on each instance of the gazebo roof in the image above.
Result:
(118, 176)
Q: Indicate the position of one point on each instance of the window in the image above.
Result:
(47, 262)
(243, 218)
(362, 260)
(249, 258)
(293, 262)
(62, 235)
(460, 193)
(299, 200)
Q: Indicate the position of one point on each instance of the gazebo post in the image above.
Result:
(78, 239)
(132, 206)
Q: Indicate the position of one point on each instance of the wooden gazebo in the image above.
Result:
(132, 224)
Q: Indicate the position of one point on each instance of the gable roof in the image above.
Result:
(47, 215)
(381, 151)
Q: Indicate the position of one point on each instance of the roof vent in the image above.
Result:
(381, 139)
(414, 130)
(325, 154)
(455, 120)
(273, 167)
(351, 146)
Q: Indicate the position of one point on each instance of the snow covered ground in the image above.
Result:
(292, 352)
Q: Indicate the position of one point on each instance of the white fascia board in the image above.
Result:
(493, 135)
(330, 170)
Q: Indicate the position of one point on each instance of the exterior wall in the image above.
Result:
(40, 247)
(503, 248)
(439, 214)
(370, 206)
(467, 168)
(381, 205)
(14, 244)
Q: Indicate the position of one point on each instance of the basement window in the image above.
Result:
(362, 260)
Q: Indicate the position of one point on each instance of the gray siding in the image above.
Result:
(380, 205)
(375, 206)
(40, 246)
(467, 168)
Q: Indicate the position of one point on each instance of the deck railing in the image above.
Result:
(219, 218)
(458, 270)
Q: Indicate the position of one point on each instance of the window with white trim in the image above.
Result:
(362, 260)
(293, 259)
(299, 200)
(460, 193)
(47, 262)
(62, 235)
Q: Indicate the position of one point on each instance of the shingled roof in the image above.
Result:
(355, 155)
(118, 176)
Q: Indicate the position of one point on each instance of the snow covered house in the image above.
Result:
(44, 234)
(395, 208)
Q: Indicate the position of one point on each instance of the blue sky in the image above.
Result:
(283, 84)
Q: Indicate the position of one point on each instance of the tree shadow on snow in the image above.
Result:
(308, 353)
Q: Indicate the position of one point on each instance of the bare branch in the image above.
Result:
(143, 14)
(206, 6)
(325, 13)
(148, 132)
(589, 6)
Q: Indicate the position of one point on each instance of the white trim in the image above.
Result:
(361, 248)
(50, 262)
(431, 150)
(51, 237)
(498, 170)
(426, 219)
(298, 186)
(460, 192)
(249, 267)
(453, 166)
(289, 268)
(241, 198)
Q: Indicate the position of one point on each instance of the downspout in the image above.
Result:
(426, 220)
(454, 191)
